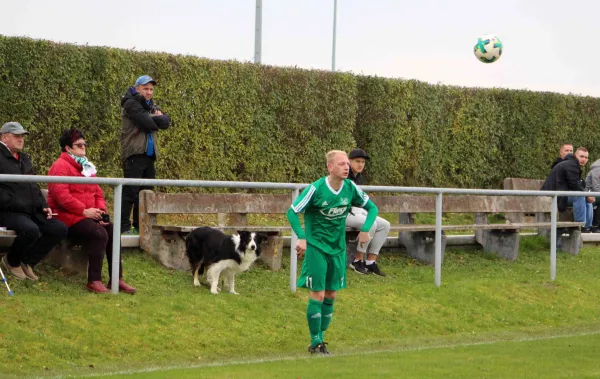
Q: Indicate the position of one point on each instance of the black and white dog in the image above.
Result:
(210, 248)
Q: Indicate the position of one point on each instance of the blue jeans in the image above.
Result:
(582, 210)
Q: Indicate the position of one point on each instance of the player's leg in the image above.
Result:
(312, 276)
(335, 280)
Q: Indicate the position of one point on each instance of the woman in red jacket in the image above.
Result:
(83, 209)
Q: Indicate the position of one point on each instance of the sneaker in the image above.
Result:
(586, 230)
(595, 229)
(373, 268)
(28, 271)
(131, 232)
(17, 271)
(359, 266)
(319, 349)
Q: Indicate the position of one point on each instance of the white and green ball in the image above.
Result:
(488, 49)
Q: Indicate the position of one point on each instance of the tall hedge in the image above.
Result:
(231, 120)
(241, 121)
(433, 135)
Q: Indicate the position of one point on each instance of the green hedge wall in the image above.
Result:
(432, 135)
(231, 120)
(241, 121)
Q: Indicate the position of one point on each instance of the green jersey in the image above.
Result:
(325, 212)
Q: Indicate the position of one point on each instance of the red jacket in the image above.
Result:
(69, 200)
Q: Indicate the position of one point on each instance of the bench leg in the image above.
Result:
(273, 251)
(504, 243)
(569, 241)
(69, 256)
(421, 245)
(169, 249)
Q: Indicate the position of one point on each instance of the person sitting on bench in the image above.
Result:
(24, 209)
(83, 209)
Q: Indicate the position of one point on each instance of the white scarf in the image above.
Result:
(88, 167)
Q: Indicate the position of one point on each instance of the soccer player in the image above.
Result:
(326, 204)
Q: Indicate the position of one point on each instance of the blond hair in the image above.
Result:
(330, 154)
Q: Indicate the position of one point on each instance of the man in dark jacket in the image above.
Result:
(141, 119)
(565, 149)
(24, 209)
(566, 176)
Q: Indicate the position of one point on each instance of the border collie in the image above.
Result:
(210, 248)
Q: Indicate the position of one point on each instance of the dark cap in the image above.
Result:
(358, 153)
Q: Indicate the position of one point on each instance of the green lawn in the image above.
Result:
(564, 357)
(54, 327)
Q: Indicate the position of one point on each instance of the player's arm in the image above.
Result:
(301, 203)
(372, 213)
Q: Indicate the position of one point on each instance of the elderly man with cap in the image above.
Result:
(24, 209)
(141, 120)
(356, 218)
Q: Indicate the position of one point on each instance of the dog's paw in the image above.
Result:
(196, 282)
(214, 292)
(233, 293)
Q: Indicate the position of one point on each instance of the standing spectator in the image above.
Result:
(141, 119)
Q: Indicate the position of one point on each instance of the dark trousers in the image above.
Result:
(36, 236)
(138, 166)
(96, 240)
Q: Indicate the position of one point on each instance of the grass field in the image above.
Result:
(54, 328)
(546, 357)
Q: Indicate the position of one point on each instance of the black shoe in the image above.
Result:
(359, 266)
(373, 268)
(319, 349)
(595, 229)
(586, 230)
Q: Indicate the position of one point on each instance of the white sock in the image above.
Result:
(368, 262)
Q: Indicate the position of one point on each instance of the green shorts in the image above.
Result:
(322, 271)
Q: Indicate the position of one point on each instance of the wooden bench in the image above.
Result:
(167, 242)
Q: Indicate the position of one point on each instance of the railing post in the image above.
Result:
(553, 237)
(116, 257)
(438, 239)
(293, 256)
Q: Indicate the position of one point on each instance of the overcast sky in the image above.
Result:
(549, 45)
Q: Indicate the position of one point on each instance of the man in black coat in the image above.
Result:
(566, 176)
(24, 209)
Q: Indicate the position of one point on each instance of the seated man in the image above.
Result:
(566, 176)
(24, 209)
(356, 218)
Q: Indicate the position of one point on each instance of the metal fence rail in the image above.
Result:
(295, 188)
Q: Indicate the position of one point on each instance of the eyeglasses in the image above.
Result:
(80, 145)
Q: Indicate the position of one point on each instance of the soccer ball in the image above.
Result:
(488, 49)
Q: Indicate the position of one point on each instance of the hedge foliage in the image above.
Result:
(241, 121)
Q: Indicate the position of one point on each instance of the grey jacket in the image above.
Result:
(592, 181)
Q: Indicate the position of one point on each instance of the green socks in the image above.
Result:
(313, 316)
(326, 314)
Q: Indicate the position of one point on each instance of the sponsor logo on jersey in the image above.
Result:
(334, 212)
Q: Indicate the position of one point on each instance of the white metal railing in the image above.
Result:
(295, 188)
